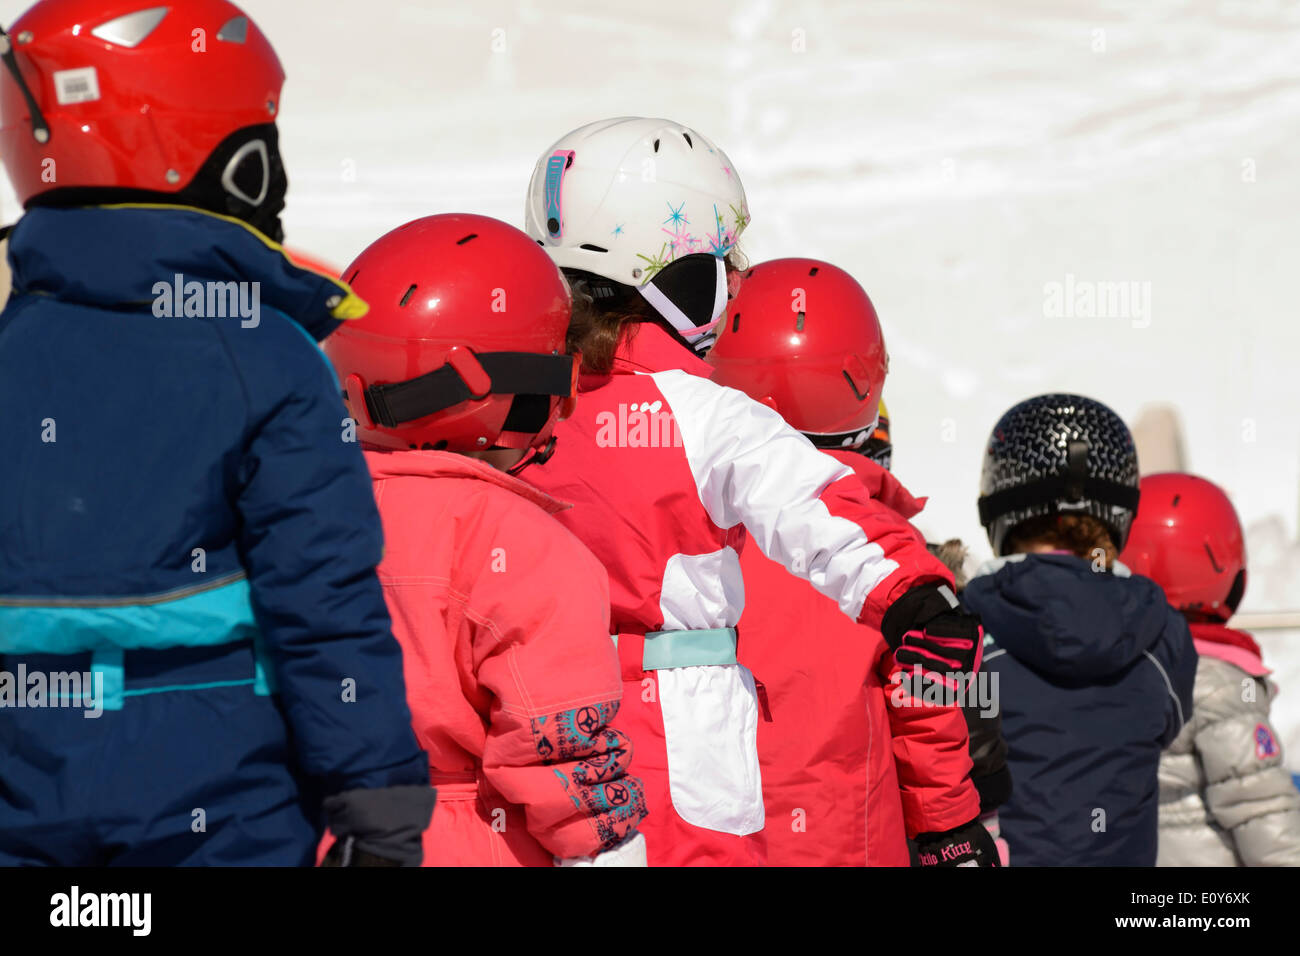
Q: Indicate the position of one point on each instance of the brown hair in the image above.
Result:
(597, 331)
(1081, 535)
(953, 554)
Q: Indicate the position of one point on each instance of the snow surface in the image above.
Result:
(958, 156)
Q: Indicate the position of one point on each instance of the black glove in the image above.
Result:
(926, 626)
(379, 827)
(343, 852)
(969, 845)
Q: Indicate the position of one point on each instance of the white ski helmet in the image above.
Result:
(626, 198)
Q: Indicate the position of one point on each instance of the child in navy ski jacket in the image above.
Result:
(1095, 669)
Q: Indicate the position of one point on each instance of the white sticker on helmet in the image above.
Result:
(76, 86)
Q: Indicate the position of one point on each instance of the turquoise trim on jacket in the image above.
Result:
(697, 648)
(216, 613)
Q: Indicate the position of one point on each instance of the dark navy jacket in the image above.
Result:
(1095, 676)
(182, 482)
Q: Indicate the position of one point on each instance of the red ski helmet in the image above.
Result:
(803, 337)
(129, 93)
(463, 348)
(1187, 538)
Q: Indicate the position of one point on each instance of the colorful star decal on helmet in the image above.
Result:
(656, 261)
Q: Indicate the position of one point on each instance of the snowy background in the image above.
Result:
(958, 156)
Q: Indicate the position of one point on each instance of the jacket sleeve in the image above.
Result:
(1174, 656)
(310, 540)
(988, 754)
(805, 510)
(541, 639)
(932, 757)
(1248, 790)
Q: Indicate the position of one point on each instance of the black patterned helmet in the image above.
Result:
(1058, 454)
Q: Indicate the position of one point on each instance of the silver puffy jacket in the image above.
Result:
(1226, 799)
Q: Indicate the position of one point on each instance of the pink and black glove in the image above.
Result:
(969, 845)
(927, 627)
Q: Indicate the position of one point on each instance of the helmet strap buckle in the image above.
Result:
(1076, 469)
(471, 371)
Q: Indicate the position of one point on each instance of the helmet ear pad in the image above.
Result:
(244, 178)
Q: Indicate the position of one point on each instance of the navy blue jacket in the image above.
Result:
(184, 481)
(1095, 675)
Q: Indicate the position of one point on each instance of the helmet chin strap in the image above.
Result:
(40, 128)
(700, 337)
(534, 456)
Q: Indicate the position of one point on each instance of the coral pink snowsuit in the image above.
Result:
(848, 776)
(512, 679)
(663, 467)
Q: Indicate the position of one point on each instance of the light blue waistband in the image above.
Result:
(205, 616)
(699, 648)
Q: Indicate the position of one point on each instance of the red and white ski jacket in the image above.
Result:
(835, 794)
(666, 470)
(512, 679)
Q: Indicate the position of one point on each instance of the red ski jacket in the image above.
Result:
(667, 470)
(847, 775)
(512, 678)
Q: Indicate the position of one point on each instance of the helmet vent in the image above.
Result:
(132, 29)
(1218, 569)
(354, 277)
(407, 298)
(461, 242)
(798, 323)
(861, 396)
(687, 137)
(656, 146)
(735, 322)
(234, 30)
(590, 248)
(1177, 498)
(812, 271)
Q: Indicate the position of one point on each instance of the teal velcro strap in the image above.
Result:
(264, 682)
(108, 677)
(711, 646)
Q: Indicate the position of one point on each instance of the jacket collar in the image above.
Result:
(444, 464)
(1228, 644)
(644, 349)
(994, 565)
(120, 257)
